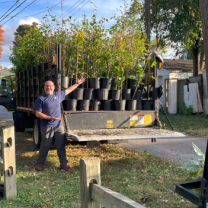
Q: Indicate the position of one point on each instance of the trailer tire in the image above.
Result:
(36, 133)
(17, 121)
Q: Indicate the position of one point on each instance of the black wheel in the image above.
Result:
(36, 133)
(17, 121)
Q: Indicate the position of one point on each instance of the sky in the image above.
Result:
(29, 11)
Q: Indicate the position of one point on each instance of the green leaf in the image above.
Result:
(191, 166)
(153, 63)
(198, 151)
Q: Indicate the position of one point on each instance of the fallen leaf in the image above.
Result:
(23, 177)
(47, 200)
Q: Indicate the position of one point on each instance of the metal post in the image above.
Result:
(203, 198)
(155, 87)
(58, 67)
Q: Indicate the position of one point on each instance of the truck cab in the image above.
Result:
(7, 93)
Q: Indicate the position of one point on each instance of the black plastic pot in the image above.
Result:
(64, 82)
(83, 105)
(105, 83)
(102, 94)
(126, 94)
(70, 105)
(113, 84)
(67, 97)
(119, 105)
(139, 105)
(106, 105)
(81, 86)
(147, 104)
(72, 81)
(88, 94)
(131, 104)
(114, 94)
(124, 85)
(94, 82)
(95, 105)
(137, 96)
(131, 84)
(77, 94)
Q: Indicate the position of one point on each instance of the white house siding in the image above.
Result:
(172, 107)
(205, 94)
(164, 74)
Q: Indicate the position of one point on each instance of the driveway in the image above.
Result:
(174, 149)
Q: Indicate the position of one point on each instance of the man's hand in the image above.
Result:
(43, 116)
(73, 87)
(54, 118)
(80, 81)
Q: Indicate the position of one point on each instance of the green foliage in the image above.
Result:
(88, 48)
(194, 167)
(186, 110)
(177, 21)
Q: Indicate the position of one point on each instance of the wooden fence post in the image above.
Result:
(9, 163)
(89, 171)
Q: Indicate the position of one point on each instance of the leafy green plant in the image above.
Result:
(186, 110)
(195, 168)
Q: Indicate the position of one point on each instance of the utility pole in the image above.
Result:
(147, 20)
(204, 18)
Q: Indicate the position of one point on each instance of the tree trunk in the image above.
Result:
(147, 20)
(196, 58)
(202, 61)
(204, 18)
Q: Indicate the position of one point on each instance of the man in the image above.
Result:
(48, 108)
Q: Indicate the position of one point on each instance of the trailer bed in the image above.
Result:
(121, 134)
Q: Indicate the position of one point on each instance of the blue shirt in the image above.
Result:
(50, 105)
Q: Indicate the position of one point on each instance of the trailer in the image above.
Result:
(19, 97)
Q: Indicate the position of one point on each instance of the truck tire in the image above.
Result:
(17, 121)
(36, 133)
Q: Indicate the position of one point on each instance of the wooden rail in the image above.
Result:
(93, 195)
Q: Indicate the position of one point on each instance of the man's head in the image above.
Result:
(49, 88)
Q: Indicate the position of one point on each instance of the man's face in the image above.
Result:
(49, 88)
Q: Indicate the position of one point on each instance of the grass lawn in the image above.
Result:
(194, 125)
(144, 178)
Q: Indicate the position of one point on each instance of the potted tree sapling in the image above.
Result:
(147, 103)
(136, 102)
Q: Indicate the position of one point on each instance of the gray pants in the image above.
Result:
(48, 136)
